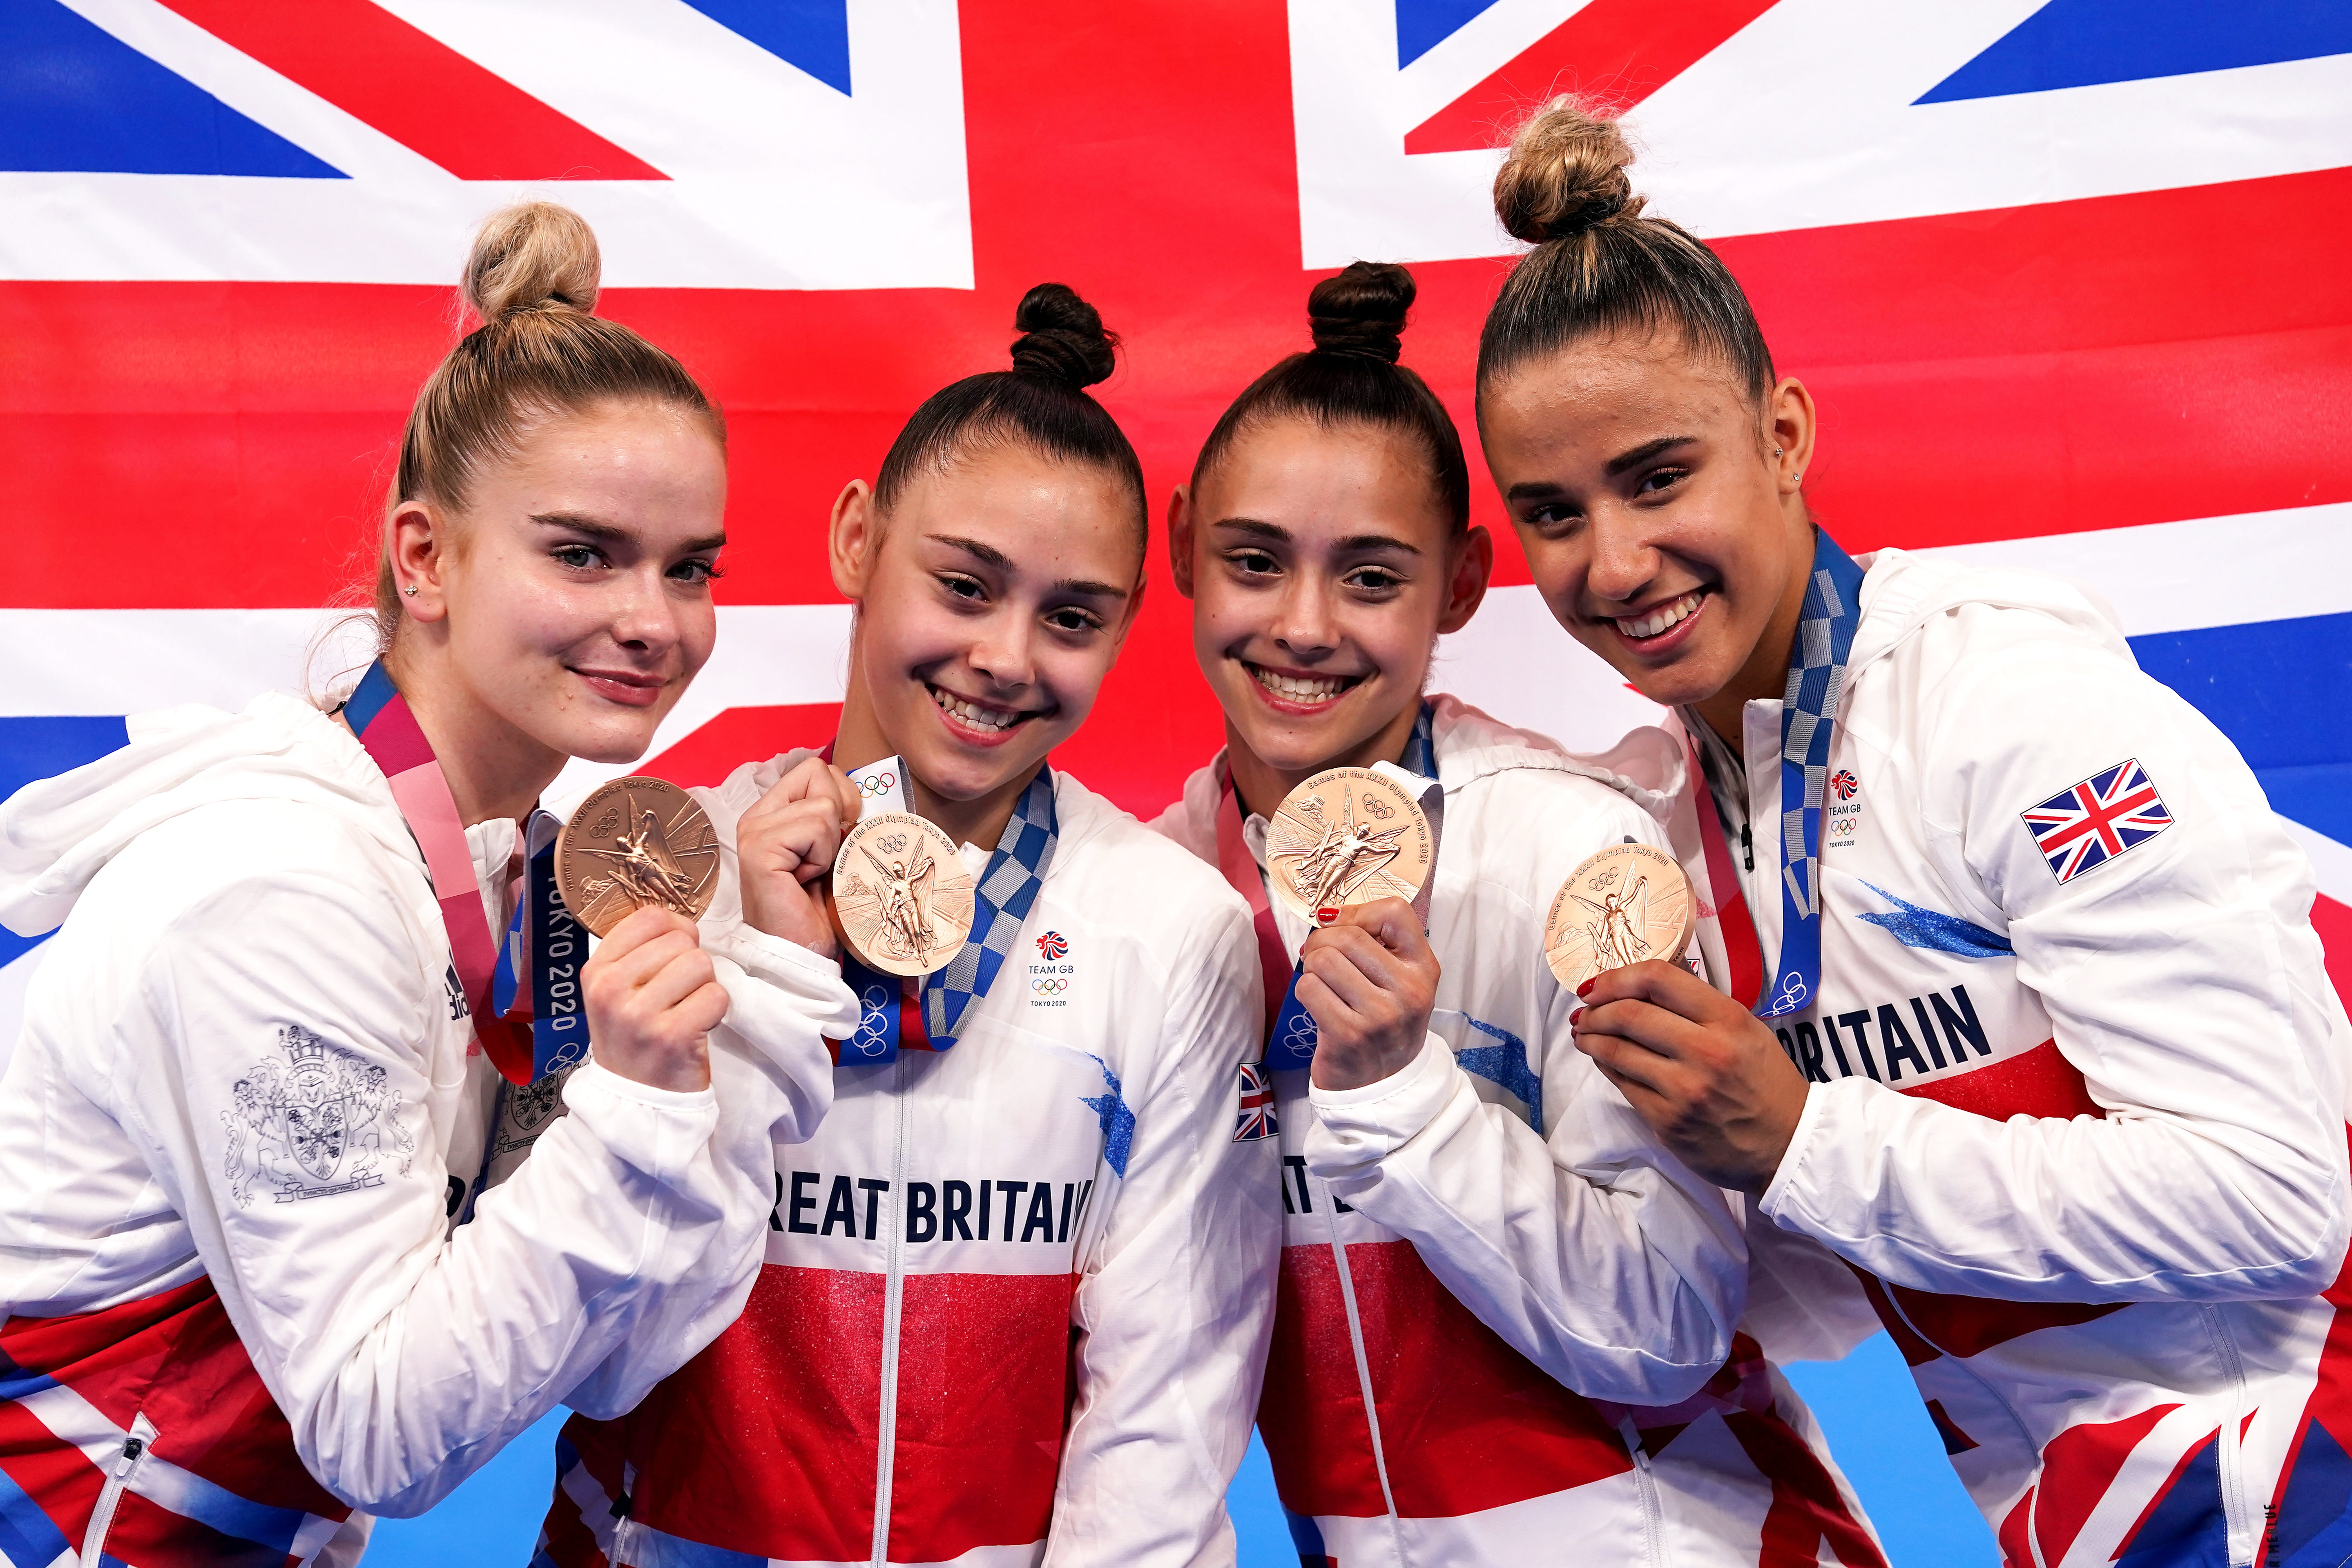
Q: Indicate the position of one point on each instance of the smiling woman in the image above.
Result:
(287, 1055)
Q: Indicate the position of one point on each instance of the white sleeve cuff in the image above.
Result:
(811, 981)
(659, 1131)
(1355, 1128)
(1809, 1123)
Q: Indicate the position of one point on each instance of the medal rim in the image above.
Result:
(1413, 877)
(573, 828)
(1638, 851)
(953, 875)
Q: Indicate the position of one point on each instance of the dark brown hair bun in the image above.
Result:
(1361, 310)
(1565, 174)
(1062, 339)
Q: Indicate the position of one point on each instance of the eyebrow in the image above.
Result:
(988, 554)
(1261, 530)
(1635, 456)
(579, 522)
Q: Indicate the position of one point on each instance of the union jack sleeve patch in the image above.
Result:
(2091, 822)
(1254, 1119)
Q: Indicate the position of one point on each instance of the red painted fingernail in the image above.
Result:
(1325, 917)
(1586, 989)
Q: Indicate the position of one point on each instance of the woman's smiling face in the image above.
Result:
(991, 602)
(1322, 566)
(1659, 508)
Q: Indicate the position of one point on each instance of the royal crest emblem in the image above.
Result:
(312, 1123)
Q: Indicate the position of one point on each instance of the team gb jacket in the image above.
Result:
(1507, 1316)
(242, 1117)
(1017, 1292)
(2077, 1112)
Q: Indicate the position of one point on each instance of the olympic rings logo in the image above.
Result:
(877, 784)
(1049, 987)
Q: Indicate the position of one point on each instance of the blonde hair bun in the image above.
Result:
(532, 255)
(1565, 174)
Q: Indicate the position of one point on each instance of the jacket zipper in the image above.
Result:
(1748, 846)
(1645, 1483)
(127, 1465)
(893, 1299)
(2231, 1460)
(1364, 1376)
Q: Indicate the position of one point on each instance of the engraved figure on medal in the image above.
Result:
(1348, 836)
(634, 842)
(1627, 903)
(902, 895)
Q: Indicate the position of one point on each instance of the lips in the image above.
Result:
(1297, 692)
(629, 687)
(977, 722)
(1661, 627)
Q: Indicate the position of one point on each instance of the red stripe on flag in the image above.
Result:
(414, 88)
(2333, 922)
(738, 735)
(1617, 52)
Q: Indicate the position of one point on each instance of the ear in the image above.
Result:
(1179, 539)
(1474, 567)
(852, 538)
(416, 538)
(1791, 424)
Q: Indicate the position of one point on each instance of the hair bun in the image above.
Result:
(1062, 340)
(1361, 310)
(532, 255)
(1565, 174)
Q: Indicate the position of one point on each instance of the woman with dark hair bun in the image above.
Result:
(1507, 1316)
(272, 1256)
(1018, 1285)
(2026, 1021)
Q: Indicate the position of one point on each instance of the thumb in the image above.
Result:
(1391, 921)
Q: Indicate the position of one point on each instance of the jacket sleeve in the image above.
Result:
(269, 1060)
(2181, 978)
(1588, 1247)
(1176, 1301)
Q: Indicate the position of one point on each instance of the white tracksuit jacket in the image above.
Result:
(1539, 1301)
(262, 1292)
(2079, 1120)
(1017, 1292)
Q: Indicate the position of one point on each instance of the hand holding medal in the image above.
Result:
(636, 865)
(1352, 849)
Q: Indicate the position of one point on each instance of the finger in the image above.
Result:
(1650, 1027)
(1364, 969)
(845, 791)
(635, 968)
(1323, 1005)
(703, 1010)
(637, 928)
(1668, 986)
(681, 977)
(1388, 922)
(1337, 971)
(1624, 1064)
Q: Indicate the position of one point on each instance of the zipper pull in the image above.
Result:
(132, 1449)
(1746, 847)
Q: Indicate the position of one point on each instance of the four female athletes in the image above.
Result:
(2003, 1026)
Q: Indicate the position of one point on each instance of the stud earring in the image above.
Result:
(410, 589)
(1776, 451)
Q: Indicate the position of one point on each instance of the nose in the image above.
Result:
(1623, 560)
(646, 620)
(1302, 623)
(1005, 654)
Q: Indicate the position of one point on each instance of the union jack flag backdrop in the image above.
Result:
(2068, 278)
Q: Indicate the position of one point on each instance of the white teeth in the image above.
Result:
(1301, 688)
(1659, 619)
(977, 717)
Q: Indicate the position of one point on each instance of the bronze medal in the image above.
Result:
(1628, 903)
(634, 842)
(1348, 836)
(901, 895)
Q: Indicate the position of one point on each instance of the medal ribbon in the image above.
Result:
(546, 945)
(1290, 1027)
(1744, 953)
(380, 716)
(930, 1015)
(1808, 721)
